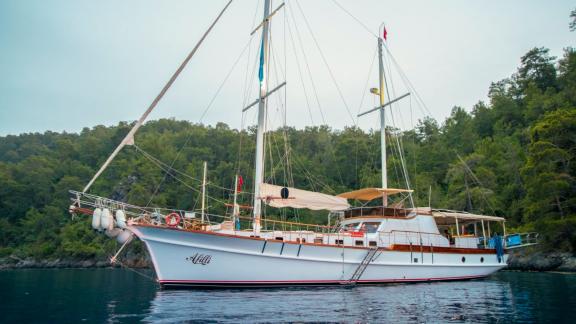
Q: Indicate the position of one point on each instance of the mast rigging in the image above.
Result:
(129, 138)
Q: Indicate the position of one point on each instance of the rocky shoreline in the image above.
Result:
(535, 260)
(519, 260)
(30, 263)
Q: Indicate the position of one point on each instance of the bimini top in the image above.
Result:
(368, 194)
(448, 217)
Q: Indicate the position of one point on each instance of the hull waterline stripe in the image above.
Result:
(304, 282)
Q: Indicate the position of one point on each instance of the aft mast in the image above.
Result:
(259, 161)
(382, 123)
(381, 92)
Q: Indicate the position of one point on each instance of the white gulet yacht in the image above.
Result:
(376, 243)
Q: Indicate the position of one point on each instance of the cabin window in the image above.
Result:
(339, 242)
(372, 243)
(359, 243)
(349, 227)
(482, 260)
(370, 227)
(298, 240)
(463, 259)
(415, 260)
(279, 238)
(318, 240)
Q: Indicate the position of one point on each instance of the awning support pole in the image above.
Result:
(457, 227)
(504, 230)
(483, 233)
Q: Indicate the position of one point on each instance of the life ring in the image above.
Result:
(172, 219)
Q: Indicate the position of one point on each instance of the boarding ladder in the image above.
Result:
(368, 258)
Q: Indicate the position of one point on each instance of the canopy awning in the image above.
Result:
(368, 194)
(449, 217)
(298, 198)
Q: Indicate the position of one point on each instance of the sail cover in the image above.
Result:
(297, 198)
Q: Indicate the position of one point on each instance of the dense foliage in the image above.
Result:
(519, 151)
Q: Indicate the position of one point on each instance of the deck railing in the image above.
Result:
(83, 202)
(518, 240)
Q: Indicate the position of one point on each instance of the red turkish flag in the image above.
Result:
(385, 34)
(240, 183)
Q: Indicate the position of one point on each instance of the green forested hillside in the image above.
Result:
(520, 148)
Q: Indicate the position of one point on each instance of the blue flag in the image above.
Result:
(261, 69)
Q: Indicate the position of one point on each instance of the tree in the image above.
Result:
(537, 67)
(573, 22)
(550, 172)
(519, 145)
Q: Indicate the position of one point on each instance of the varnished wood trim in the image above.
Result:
(377, 217)
(395, 247)
(440, 249)
(250, 238)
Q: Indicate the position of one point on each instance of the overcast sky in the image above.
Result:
(65, 65)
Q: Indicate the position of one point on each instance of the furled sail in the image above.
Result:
(277, 196)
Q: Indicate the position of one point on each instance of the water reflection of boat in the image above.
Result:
(471, 301)
(379, 242)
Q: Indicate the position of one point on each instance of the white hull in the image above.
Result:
(212, 259)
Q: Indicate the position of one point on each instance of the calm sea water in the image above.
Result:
(115, 295)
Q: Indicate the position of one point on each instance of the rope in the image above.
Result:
(300, 74)
(245, 92)
(165, 166)
(325, 63)
(467, 168)
(366, 83)
(224, 81)
(356, 19)
(114, 260)
(308, 68)
(421, 103)
(200, 120)
(414, 151)
(189, 137)
(301, 47)
(167, 171)
(399, 146)
(130, 136)
(136, 271)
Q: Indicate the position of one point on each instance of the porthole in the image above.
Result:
(463, 259)
(482, 260)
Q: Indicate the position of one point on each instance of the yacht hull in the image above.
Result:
(208, 259)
